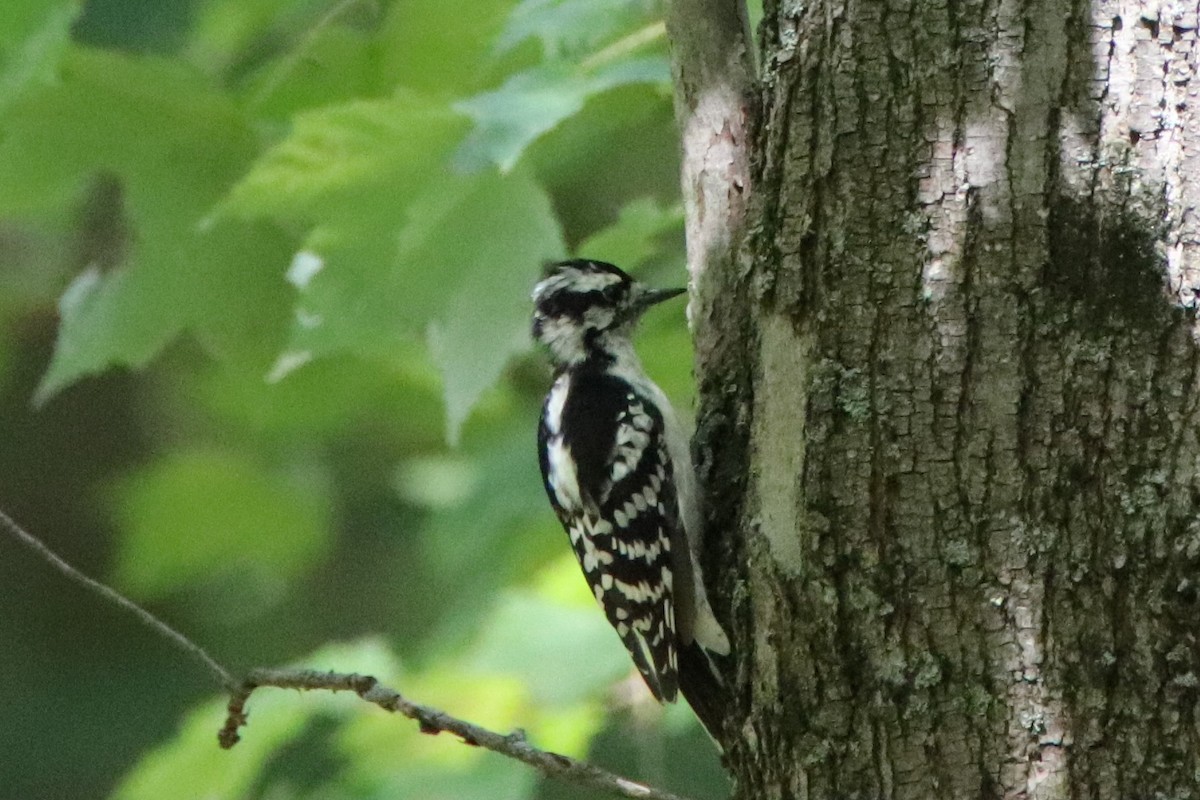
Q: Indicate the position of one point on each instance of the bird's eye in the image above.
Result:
(613, 293)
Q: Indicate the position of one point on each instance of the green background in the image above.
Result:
(264, 367)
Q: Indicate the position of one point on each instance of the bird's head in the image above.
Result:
(583, 308)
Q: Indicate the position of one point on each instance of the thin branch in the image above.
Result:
(189, 648)
(430, 720)
(624, 46)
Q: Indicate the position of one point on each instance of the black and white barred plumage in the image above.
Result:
(617, 469)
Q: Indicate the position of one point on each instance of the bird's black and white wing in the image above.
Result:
(608, 474)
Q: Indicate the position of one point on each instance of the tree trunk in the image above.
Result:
(948, 420)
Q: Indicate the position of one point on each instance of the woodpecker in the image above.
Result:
(618, 471)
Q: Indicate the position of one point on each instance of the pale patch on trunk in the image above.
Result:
(780, 403)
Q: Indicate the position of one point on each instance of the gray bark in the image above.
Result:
(948, 420)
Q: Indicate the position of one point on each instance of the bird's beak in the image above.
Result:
(650, 297)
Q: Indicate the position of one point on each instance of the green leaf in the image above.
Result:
(196, 515)
(224, 284)
(104, 320)
(34, 34)
(493, 238)
(340, 161)
(572, 27)
(240, 304)
(458, 272)
(330, 400)
(159, 127)
(223, 31)
(533, 102)
(171, 147)
(637, 235)
(439, 47)
(284, 56)
(332, 64)
(624, 144)
(351, 297)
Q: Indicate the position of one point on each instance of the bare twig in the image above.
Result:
(190, 648)
(430, 720)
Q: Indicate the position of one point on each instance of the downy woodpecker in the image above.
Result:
(618, 471)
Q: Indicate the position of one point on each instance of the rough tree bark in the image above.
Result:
(949, 388)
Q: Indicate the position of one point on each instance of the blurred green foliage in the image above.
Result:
(264, 366)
